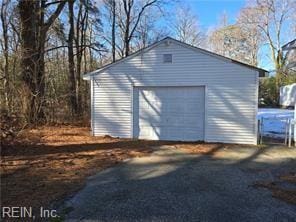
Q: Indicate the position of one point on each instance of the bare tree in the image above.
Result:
(229, 41)
(6, 80)
(34, 30)
(240, 41)
(127, 21)
(148, 31)
(113, 29)
(223, 19)
(36, 58)
(71, 63)
(274, 16)
(247, 21)
(129, 16)
(80, 42)
(186, 27)
(111, 7)
(42, 51)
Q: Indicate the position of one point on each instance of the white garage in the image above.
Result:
(174, 91)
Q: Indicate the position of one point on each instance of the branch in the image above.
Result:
(90, 47)
(53, 17)
(119, 49)
(52, 3)
(125, 6)
(85, 46)
(55, 48)
(15, 29)
(139, 17)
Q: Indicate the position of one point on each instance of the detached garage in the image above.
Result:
(174, 91)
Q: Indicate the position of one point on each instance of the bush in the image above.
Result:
(11, 124)
(268, 93)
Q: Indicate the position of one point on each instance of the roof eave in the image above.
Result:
(263, 73)
(87, 76)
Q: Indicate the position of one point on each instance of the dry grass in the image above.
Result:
(47, 163)
(291, 178)
(212, 149)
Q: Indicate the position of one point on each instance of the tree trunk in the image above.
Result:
(113, 30)
(29, 61)
(127, 4)
(71, 64)
(6, 82)
(40, 77)
(33, 37)
(80, 42)
(126, 37)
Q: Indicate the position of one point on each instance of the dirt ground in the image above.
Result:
(278, 191)
(46, 164)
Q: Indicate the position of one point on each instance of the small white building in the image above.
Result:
(288, 95)
(174, 91)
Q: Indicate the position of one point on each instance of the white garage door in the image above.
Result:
(169, 113)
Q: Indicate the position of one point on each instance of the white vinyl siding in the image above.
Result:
(111, 110)
(230, 98)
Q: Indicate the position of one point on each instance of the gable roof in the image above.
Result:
(262, 72)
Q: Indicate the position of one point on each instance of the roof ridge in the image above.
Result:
(261, 71)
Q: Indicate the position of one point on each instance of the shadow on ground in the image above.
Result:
(173, 185)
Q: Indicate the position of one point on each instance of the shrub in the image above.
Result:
(268, 93)
(11, 124)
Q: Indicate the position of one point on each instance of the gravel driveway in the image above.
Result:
(172, 185)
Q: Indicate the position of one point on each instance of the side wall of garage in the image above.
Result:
(230, 92)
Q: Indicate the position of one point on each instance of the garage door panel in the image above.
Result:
(187, 121)
(174, 107)
(172, 120)
(189, 135)
(169, 113)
